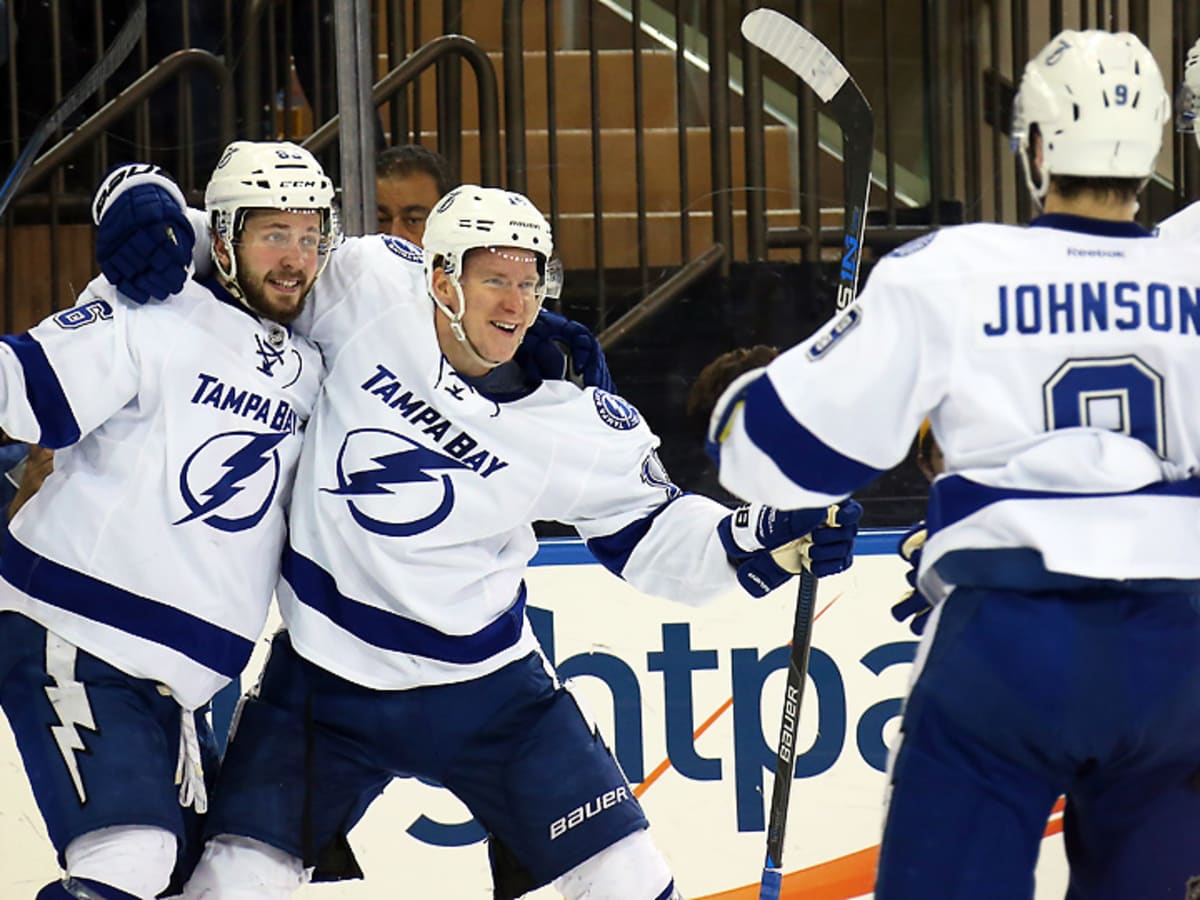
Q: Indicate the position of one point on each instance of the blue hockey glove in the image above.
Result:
(913, 604)
(143, 238)
(768, 546)
(556, 348)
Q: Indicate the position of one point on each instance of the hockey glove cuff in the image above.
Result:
(144, 240)
(768, 546)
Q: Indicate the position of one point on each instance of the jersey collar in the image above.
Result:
(219, 291)
(1084, 225)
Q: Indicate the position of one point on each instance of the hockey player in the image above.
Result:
(134, 583)
(1186, 223)
(1058, 364)
(407, 650)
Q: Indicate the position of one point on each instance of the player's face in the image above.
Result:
(277, 259)
(403, 203)
(500, 288)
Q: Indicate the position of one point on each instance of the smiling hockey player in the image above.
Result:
(407, 650)
(135, 582)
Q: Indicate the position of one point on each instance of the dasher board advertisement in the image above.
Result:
(690, 702)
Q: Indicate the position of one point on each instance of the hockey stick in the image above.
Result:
(120, 48)
(797, 48)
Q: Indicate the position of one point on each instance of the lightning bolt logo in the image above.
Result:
(410, 465)
(69, 700)
(254, 453)
(400, 467)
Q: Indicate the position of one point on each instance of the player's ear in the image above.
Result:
(1037, 154)
(443, 288)
(221, 251)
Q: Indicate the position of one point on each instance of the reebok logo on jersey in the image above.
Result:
(581, 814)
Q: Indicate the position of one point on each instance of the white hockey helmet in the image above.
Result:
(1187, 101)
(267, 175)
(471, 217)
(1099, 104)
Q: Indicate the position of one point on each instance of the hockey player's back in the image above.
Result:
(1057, 363)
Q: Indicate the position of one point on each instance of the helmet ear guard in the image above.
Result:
(1187, 98)
(1099, 104)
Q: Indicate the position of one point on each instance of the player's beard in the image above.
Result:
(256, 292)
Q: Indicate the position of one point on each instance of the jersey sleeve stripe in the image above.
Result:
(613, 551)
(953, 498)
(800, 455)
(46, 397)
(56, 585)
(316, 588)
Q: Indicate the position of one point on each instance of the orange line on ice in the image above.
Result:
(662, 767)
(838, 879)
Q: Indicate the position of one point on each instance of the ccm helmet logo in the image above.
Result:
(298, 184)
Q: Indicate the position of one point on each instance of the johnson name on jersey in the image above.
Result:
(411, 524)
(155, 544)
(1057, 363)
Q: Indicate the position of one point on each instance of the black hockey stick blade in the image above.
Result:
(802, 52)
(120, 48)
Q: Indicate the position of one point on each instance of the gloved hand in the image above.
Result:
(913, 604)
(768, 546)
(143, 238)
(556, 348)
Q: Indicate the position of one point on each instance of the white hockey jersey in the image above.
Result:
(155, 543)
(411, 519)
(1184, 225)
(1059, 365)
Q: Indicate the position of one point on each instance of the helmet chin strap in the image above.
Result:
(456, 326)
(229, 276)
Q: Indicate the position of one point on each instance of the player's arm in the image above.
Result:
(686, 547)
(838, 410)
(68, 374)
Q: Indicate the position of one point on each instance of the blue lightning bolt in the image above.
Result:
(401, 467)
(241, 464)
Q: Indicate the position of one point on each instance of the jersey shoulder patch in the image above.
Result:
(915, 245)
(615, 412)
(404, 249)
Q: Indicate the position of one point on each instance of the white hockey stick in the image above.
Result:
(798, 49)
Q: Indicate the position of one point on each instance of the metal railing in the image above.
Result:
(646, 128)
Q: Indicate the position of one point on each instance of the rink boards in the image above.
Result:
(689, 699)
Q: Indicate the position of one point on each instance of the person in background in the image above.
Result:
(409, 181)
